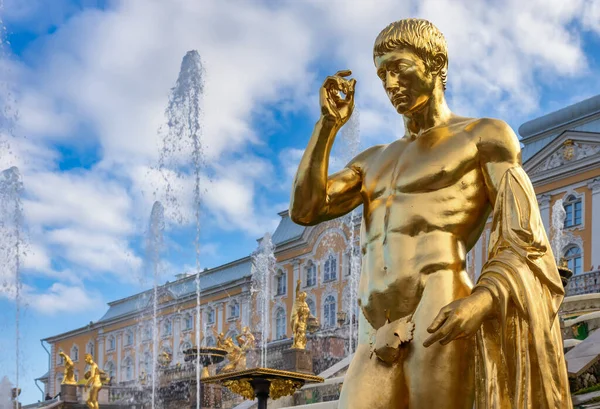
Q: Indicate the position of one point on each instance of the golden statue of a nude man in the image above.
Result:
(428, 337)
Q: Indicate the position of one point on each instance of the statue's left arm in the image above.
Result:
(514, 305)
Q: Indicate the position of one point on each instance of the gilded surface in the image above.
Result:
(299, 318)
(69, 375)
(283, 387)
(426, 199)
(93, 382)
(240, 386)
(236, 354)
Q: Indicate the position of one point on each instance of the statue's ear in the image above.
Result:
(438, 63)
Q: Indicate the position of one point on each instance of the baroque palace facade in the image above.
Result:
(560, 152)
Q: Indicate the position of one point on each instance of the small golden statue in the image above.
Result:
(69, 374)
(236, 354)
(94, 379)
(299, 318)
(426, 198)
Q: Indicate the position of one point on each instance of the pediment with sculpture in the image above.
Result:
(566, 151)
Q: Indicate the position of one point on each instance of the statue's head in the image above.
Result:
(411, 59)
(89, 359)
(302, 296)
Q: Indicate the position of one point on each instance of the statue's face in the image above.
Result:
(406, 79)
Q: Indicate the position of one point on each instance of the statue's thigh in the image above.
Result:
(440, 376)
(371, 384)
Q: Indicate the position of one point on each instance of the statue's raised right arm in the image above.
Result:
(315, 196)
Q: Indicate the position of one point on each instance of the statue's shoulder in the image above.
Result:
(495, 139)
(363, 159)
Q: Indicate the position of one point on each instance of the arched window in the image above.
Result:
(75, 353)
(280, 323)
(185, 346)
(311, 274)
(128, 364)
(280, 279)
(89, 348)
(210, 315)
(188, 321)
(573, 209)
(210, 342)
(167, 328)
(312, 307)
(330, 269)
(234, 309)
(573, 257)
(129, 337)
(111, 343)
(109, 368)
(329, 312)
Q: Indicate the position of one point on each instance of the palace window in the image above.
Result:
(311, 274)
(234, 309)
(330, 269)
(188, 321)
(167, 328)
(147, 332)
(311, 306)
(148, 363)
(281, 282)
(59, 359)
(210, 315)
(129, 338)
(128, 369)
(75, 353)
(185, 346)
(573, 257)
(329, 314)
(280, 323)
(111, 343)
(89, 349)
(109, 368)
(574, 211)
(210, 342)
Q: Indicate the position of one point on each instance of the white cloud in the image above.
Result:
(63, 299)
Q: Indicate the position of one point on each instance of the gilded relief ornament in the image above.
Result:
(283, 387)
(240, 386)
(496, 343)
(568, 150)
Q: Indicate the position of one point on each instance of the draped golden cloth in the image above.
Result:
(520, 362)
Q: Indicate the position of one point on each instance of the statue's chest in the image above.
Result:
(420, 166)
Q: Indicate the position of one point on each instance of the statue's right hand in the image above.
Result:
(333, 107)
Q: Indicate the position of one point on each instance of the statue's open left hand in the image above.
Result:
(460, 319)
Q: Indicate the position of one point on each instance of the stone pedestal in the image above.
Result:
(68, 393)
(298, 360)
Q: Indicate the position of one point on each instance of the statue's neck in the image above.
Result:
(433, 113)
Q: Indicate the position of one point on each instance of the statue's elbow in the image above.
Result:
(303, 218)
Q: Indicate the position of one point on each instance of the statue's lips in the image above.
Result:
(399, 99)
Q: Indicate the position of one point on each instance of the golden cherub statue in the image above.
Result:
(69, 374)
(299, 318)
(426, 198)
(94, 379)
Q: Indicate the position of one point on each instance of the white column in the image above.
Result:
(219, 316)
(100, 358)
(245, 306)
(176, 336)
(544, 203)
(119, 345)
(138, 350)
(594, 186)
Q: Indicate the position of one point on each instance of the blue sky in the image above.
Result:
(91, 79)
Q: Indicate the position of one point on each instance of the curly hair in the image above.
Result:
(419, 35)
